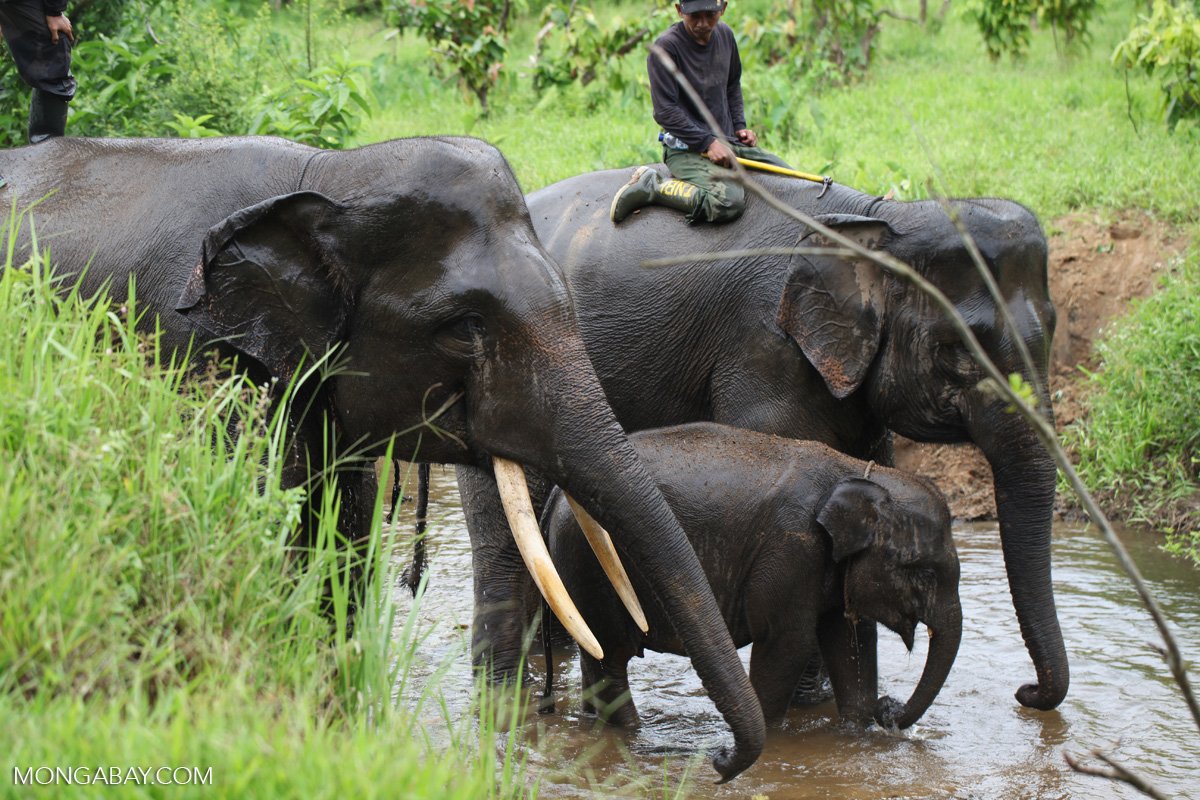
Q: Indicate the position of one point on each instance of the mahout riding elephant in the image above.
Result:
(795, 538)
(814, 346)
(413, 266)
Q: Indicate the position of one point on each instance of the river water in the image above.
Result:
(974, 742)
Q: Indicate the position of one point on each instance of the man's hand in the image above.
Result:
(720, 154)
(60, 24)
(747, 137)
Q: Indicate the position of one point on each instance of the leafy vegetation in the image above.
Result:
(574, 46)
(1140, 442)
(1006, 25)
(1167, 45)
(467, 37)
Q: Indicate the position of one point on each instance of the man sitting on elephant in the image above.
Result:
(706, 54)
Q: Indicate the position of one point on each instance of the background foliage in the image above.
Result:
(1139, 444)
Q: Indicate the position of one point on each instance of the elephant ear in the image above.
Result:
(833, 305)
(267, 283)
(852, 515)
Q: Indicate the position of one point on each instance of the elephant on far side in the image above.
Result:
(819, 345)
(797, 540)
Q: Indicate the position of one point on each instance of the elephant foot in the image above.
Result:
(1043, 698)
(814, 687)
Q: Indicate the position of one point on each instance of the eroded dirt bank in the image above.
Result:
(1097, 266)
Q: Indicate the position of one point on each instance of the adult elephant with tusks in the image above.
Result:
(412, 262)
(824, 346)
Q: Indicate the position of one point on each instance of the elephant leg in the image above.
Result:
(505, 597)
(849, 650)
(814, 686)
(775, 664)
(606, 688)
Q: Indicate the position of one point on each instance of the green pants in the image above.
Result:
(721, 199)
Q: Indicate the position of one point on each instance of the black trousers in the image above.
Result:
(41, 63)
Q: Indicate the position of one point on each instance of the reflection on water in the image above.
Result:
(975, 742)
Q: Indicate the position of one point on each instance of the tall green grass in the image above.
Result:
(153, 611)
(1139, 444)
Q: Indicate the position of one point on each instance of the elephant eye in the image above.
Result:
(463, 334)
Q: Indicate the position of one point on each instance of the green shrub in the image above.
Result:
(322, 109)
(220, 62)
(1167, 44)
(1139, 444)
(120, 95)
(14, 105)
(468, 38)
(1004, 25)
(573, 45)
(1071, 17)
(826, 42)
(193, 60)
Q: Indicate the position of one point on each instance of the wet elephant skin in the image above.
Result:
(795, 539)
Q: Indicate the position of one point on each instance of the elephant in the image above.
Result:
(814, 345)
(795, 538)
(412, 269)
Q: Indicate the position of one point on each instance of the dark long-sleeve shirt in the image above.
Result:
(714, 70)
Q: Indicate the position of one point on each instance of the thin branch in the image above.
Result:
(1117, 773)
(1129, 106)
(887, 12)
(998, 382)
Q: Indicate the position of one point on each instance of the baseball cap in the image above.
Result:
(696, 6)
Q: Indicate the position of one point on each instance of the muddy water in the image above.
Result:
(975, 742)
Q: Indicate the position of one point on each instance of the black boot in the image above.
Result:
(47, 116)
(645, 188)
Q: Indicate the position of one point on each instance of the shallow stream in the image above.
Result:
(975, 741)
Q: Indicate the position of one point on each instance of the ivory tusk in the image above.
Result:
(514, 495)
(610, 562)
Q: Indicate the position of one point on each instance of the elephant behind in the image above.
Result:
(795, 539)
(822, 346)
(412, 269)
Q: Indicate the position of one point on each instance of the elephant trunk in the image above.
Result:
(620, 494)
(945, 632)
(1024, 481)
(582, 448)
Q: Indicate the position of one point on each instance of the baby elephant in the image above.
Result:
(797, 541)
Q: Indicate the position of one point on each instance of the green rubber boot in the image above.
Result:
(645, 188)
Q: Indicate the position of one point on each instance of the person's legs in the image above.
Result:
(717, 199)
(47, 116)
(697, 187)
(45, 66)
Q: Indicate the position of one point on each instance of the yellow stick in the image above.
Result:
(793, 173)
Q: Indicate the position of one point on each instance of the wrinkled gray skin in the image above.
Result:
(815, 347)
(794, 540)
(414, 260)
